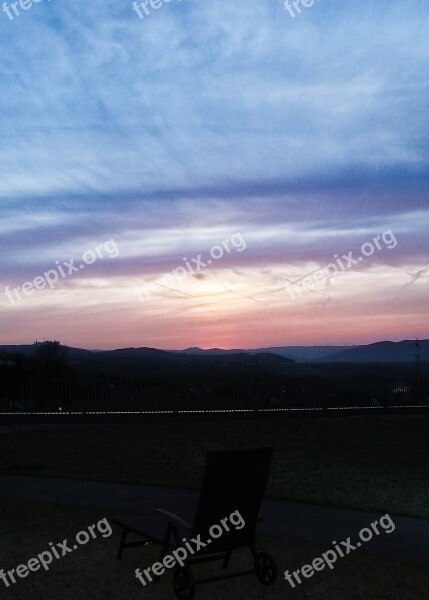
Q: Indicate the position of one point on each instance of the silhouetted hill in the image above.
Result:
(383, 352)
(29, 349)
(208, 351)
(305, 353)
(150, 362)
(26, 350)
(296, 353)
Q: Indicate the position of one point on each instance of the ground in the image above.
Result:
(378, 464)
(92, 571)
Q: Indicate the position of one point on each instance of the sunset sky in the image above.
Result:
(297, 140)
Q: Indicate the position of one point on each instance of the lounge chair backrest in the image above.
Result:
(234, 480)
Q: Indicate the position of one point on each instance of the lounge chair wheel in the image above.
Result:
(184, 587)
(265, 568)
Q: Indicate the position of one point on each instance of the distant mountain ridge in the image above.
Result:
(153, 363)
(383, 352)
(297, 353)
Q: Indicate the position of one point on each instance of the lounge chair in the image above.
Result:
(234, 484)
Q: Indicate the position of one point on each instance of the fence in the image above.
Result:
(39, 396)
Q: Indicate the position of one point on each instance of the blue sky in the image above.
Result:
(307, 135)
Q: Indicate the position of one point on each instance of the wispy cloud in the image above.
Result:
(307, 136)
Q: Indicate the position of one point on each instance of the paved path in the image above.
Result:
(284, 520)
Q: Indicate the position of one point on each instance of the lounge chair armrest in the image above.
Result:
(174, 517)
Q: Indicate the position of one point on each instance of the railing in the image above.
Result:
(42, 396)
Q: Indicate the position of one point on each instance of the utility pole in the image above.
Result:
(418, 363)
(418, 386)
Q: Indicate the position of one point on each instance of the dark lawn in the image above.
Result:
(379, 464)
